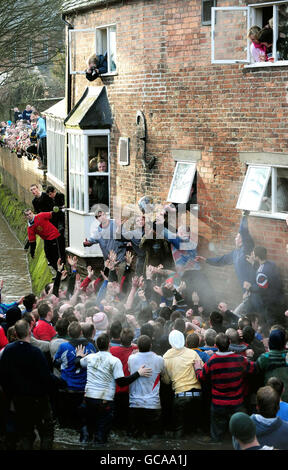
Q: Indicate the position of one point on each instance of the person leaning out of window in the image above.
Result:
(97, 65)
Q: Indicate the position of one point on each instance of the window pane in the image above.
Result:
(230, 35)
(206, 10)
(253, 188)
(98, 191)
(112, 38)
(282, 190)
(183, 177)
(282, 43)
(82, 45)
(97, 153)
(266, 204)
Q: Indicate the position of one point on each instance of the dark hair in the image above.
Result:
(222, 342)
(115, 329)
(144, 343)
(74, 329)
(248, 334)
(147, 329)
(50, 189)
(180, 325)
(126, 336)
(261, 252)
(87, 330)
(29, 301)
(267, 400)
(102, 342)
(277, 384)
(216, 318)
(244, 321)
(265, 35)
(43, 309)
(165, 312)
(21, 329)
(192, 341)
(62, 326)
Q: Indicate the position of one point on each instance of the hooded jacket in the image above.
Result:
(271, 431)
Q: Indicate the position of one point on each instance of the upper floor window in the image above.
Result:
(206, 11)
(55, 149)
(256, 34)
(182, 187)
(85, 42)
(265, 191)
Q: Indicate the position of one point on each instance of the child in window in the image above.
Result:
(258, 50)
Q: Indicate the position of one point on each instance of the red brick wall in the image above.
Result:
(164, 69)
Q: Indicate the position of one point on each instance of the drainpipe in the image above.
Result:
(68, 94)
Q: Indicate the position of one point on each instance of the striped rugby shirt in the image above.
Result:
(227, 372)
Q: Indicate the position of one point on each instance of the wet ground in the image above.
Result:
(13, 265)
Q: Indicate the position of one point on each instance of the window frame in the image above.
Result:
(170, 193)
(251, 14)
(55, 156)
(96, 30)
(273, 214)
(83, 169)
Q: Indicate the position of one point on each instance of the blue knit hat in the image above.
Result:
(277, 340)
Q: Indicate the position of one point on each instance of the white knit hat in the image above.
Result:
(176, 339)
(100, 321)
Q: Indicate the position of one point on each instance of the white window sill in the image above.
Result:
(268, 215)
(108, 74)
(256, 65)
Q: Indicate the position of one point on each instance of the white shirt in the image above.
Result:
(102, 370)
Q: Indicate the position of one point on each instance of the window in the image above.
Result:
(265, 190)
(55, 149)
(182, 182)
(206, 11)
(88, 170)
(85, 42)
(230, 26)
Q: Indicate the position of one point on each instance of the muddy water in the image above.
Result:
(13, 265)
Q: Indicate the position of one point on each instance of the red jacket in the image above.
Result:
(3, 338)
(42, 227)
(43, 330)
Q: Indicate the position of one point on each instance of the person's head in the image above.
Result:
(238, 240)
(253, 33)
(13, 314)
(277, 340)
(233, 335)
(102, 166)
(45, 311)
(34, 189)
(16, 109)
(176, 339)
(102, 342)
(147, 329)
(242, 322)
(260, 254)
(248, 334)
(180, 325)
(222, 342)
(126, 337)
(265, 36)
(267, 401)
(92, 60)
(88, 330)
(216, 318)
(22, 329)
(253, 319)
(210, 337)
(51, 191)
(29, 301)
(29, 214)
(242, 428)
(115, 329)
(144, 343)
(101, 216)
(74, 329)
(100, 321)
(277, 384)
(62, 326)
(165, 312)
(28, 107)
(192, 341)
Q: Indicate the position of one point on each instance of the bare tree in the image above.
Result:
(31, 33)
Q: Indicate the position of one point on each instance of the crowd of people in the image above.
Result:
(146, 347)
(26, 136)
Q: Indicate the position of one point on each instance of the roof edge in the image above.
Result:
(84, 5)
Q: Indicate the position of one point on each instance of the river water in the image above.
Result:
(13, 265)
(14, 271)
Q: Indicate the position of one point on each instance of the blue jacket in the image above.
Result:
(244, 270)
(41, 128)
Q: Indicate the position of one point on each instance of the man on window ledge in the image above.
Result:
(97, 65)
